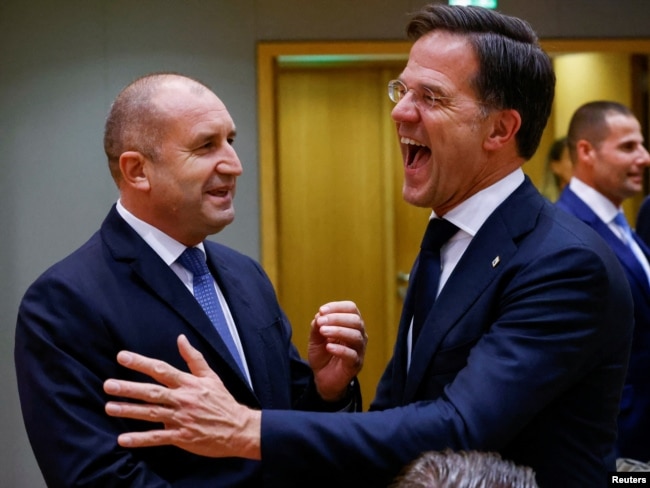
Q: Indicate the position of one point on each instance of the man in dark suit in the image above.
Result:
(525, 348)
(169, 142)
(606, 146)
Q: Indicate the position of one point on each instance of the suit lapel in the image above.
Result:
(625, 255)
(242, 311)
(399, 362)
(571, 202)
(485, 259)
(128, 247)
(244, 306)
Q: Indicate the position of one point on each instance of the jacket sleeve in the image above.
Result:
(63, 354)
(548, 331)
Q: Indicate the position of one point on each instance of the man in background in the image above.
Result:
(516, 327)
(558, 171)
(147, 276)
(609, 159)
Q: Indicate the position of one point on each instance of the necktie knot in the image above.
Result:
(438, 232)
(193, 260)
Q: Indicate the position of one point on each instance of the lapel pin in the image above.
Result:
(496, 261)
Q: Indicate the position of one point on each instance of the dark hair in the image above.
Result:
(555, 153)
(134, 122)
(464, 469)
(514, 72)
(589, 122)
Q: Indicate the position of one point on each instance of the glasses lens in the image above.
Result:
(396, 90)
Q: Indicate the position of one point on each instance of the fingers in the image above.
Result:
(162, 372)
(156, 369)
(145, 392)
(344, 306)
(147, 439)
(350, 357)
(150, 413)
(351, 336)
(345, 327)
(194, 359)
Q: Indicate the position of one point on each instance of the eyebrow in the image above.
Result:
(210, 134)
(435, 88)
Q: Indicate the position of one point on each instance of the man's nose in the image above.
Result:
(645, 156)
(230, 164)
(405, 110)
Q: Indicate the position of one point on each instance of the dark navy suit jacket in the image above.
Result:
(524, 353)
(634, 418)
(116, 293)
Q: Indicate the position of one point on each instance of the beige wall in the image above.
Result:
(586, 77)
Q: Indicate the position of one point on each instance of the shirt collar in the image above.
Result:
(471, 214)
(166, 247)
(599, 203)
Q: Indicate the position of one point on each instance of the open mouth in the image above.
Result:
(417, 154)
(219, 192)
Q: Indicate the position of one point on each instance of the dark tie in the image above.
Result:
(193, 260)
(427, 276)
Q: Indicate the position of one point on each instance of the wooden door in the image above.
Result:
(340, 211)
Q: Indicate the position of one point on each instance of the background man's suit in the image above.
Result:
(643, 221)
(524, 352)
(634, 417)
(116, 293)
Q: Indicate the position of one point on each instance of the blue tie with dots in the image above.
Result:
(193, 260)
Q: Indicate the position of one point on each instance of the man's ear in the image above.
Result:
(584, 151)
(505, 125)
(133, 166)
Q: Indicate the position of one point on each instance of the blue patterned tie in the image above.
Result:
(427, 276)
(193, 260)
(621, 221)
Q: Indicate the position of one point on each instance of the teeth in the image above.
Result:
(406, 140)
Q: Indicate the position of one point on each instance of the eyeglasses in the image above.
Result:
(423, 99)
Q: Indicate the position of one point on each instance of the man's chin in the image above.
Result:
(221, 221)
(415, 198)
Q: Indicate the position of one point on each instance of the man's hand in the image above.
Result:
(337, 345)
(198, 413)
